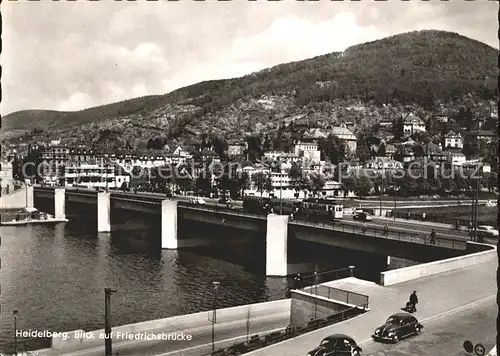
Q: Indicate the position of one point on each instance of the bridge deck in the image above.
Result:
(338, 225)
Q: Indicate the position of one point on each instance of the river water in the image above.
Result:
(55, 276)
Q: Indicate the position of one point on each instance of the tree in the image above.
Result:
(316, 182)
(350, 184)
(381, 149)
(203, 182)
(364, 186)
(332, 148)
(243, 182)
(492, 182)
(183, 177)
(260, 180)
(297, 178)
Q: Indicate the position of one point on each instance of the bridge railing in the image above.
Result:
(381, 233)
(308, 280)
(341, 295)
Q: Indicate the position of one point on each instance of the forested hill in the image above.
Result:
(420, 67)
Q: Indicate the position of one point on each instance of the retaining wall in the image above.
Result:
(486, 253)
(306, 307)
(14, 200)
(181, 323)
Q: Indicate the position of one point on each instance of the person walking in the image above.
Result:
(386, 230)
(414, 300)
(423, 216)
(432, 237)
(364, 227)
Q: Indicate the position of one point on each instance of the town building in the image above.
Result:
(345, 134)
(236, 148)
(383, 163)
(390, 151)
(456, 158)
(385, 124)
(487, 136)
(477, 164)
(453, 140)
(308, 149)
(94, 174)
(412, 124)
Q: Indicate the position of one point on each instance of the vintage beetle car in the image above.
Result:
(336, 345)
(397, 327)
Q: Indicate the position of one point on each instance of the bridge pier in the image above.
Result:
(30, 198)
(169, 224)
(60, 203)
(277, 245)
(103, 212)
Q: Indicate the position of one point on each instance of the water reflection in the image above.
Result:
(56, 275)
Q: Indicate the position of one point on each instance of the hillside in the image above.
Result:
(419, 68)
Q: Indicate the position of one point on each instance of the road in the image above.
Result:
(200, 343)
(444, 336)
(394, 226)
(409, 227)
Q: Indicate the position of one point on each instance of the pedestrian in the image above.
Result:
(414, 300)
(386, 230)
(408, 215)
(423, 216)
(432, 237)
(364, 227)
(298, 281)
(291, 217)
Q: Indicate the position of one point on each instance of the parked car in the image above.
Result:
(336, 345)
(224, 201)
(487, 233)
(198, 201)
(397, 327)
(362, 216)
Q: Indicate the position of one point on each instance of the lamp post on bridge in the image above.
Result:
(14, 313)
(215, 284)
(107, 320)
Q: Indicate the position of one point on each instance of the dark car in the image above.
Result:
(224, 201)
(362, 216)
(397, 327)
(336, 345)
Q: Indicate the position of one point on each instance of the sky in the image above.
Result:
(75, 55)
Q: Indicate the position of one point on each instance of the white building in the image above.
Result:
(308, 150)
(453, 140)
(386, 163)
(412, 124)
(477, 163)
(94, 175)
(273, 155)
(456, 158)
(345, 134)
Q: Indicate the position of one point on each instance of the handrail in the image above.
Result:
(379, 233)
(313, 290)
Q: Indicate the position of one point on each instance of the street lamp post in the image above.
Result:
(316, 292)
(281, 201)
(474, 206)
(394, 211)
(107, 321)
(14, 312)
(382, 191)
(214, 314)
